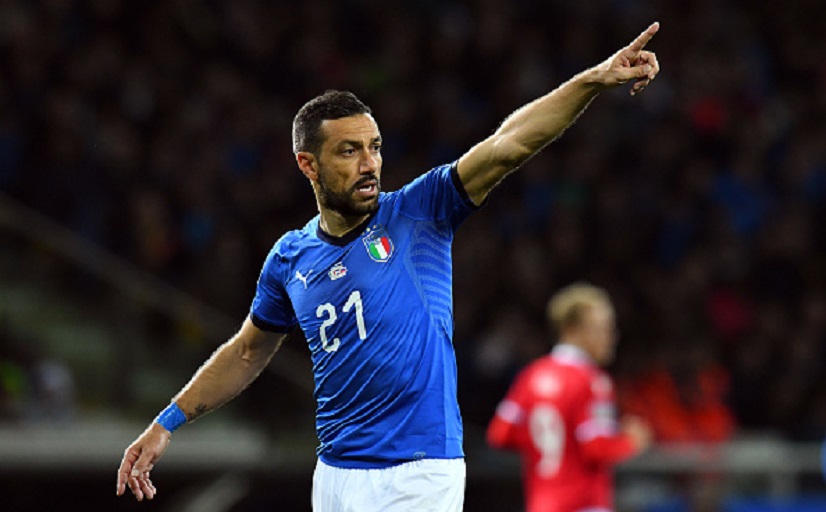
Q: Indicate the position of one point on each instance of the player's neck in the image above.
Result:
(578, 347)
(338, 225)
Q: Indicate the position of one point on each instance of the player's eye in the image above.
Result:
(376, 148)
(348, 152)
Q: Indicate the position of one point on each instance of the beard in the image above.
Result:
(343, 202)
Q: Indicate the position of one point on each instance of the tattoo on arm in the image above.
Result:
(200, 409)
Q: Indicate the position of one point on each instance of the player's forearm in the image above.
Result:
(225, 374)
(525, 132)
(535, 125)
(609, 450)
(538, 123)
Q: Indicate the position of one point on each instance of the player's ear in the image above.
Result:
(308, 164)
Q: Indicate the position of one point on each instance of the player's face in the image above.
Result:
(600, 332)
(349, 165)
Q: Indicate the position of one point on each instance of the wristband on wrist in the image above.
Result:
(171, 418)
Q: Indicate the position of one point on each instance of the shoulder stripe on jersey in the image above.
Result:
(510, 411)
(594, 428)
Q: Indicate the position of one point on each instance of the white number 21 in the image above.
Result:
(329, 311)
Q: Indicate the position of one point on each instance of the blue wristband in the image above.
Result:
(171, 418)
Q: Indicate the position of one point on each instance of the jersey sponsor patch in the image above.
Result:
(338, 271)
(378, 244)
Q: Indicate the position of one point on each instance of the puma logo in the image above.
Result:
(303, 279)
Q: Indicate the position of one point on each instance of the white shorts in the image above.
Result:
(427, 485)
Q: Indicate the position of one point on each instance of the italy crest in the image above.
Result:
(378, 244)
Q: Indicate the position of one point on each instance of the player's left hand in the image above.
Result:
(632, 63)
(139, 459)
(639, 430)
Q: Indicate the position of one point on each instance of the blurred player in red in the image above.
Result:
(560, 411)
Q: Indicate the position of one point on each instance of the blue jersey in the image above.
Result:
(376, 308)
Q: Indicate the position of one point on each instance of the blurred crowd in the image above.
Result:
(161, 130)
(34, 387)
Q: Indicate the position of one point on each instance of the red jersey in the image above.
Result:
(560, 416)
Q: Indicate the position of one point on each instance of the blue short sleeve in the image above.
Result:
(438, 194)
(271, 308)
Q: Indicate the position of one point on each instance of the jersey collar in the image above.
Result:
(346, 238)
(572, 354)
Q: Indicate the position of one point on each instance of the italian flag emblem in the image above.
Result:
(378, 244)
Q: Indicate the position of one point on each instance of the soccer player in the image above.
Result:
(560, 411)
(368, 281)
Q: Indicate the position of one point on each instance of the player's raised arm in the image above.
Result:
(230, 369)
(530, 128)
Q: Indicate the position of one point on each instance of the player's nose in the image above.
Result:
(369, 163)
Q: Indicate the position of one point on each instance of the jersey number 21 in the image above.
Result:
(329, 311)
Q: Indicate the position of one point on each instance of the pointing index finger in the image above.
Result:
(639, 43)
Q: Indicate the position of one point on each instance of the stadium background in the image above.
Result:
(146, 169)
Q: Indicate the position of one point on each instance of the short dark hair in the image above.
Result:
(330, 105)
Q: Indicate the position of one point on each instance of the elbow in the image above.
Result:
(253, 356)
(246, 351)
(257, 353)
(253, 347)
(509, 152)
